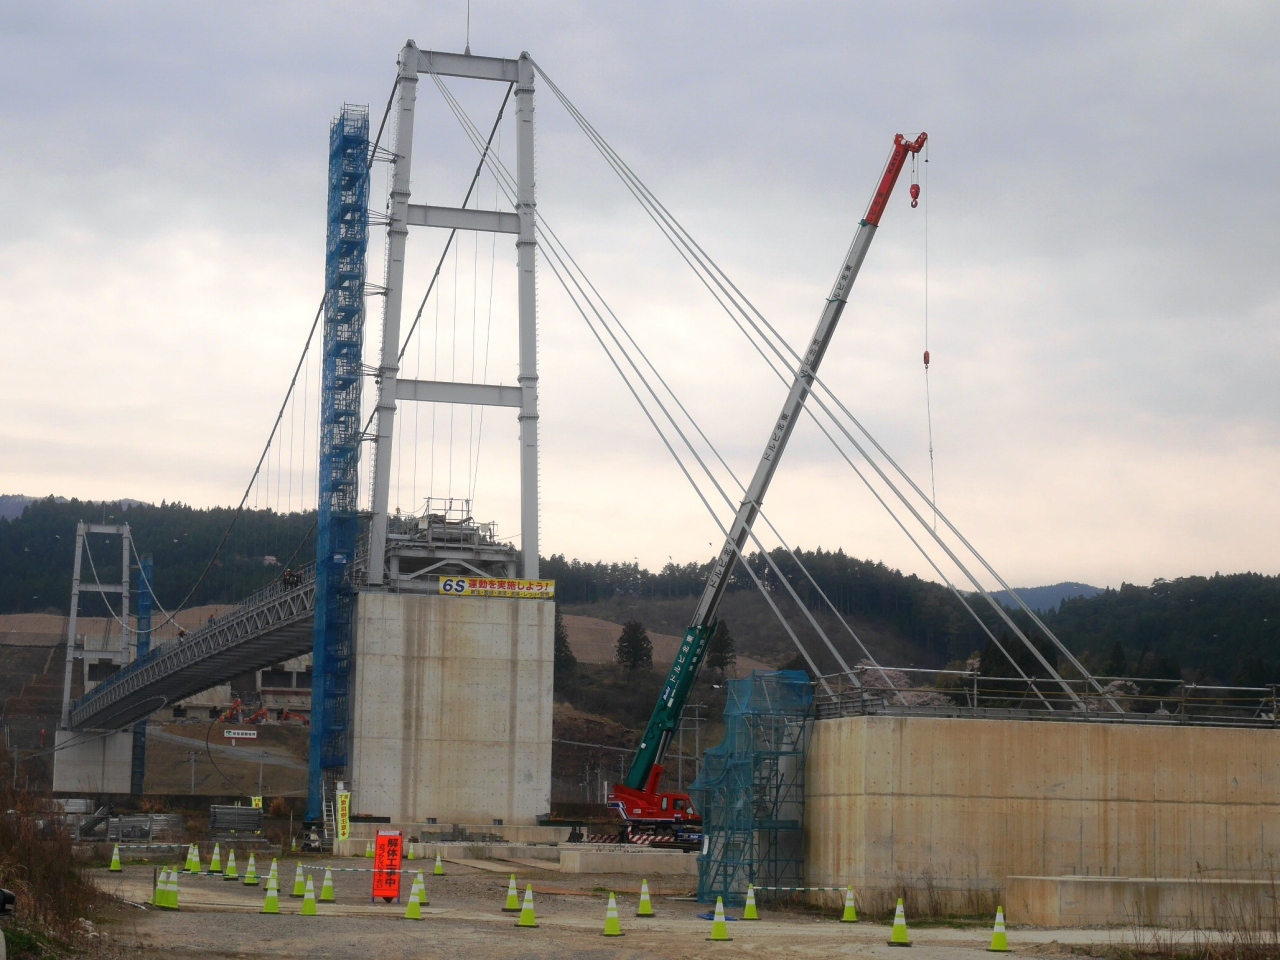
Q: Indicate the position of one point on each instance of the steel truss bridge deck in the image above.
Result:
(273, 625)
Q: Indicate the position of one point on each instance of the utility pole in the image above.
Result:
(262, 755)
(191, 757)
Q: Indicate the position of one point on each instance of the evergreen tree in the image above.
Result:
(721, 655)
(566, 664)
(634, 650)
(1117, 665)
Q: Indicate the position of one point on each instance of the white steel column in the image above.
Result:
(398, 232)
(527, 248)
(71, 629)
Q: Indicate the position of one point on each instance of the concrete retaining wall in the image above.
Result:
(1133, 901)
(451, 711)
(959, 804)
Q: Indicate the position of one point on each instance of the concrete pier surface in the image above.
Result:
(951, 808)
(451, 709)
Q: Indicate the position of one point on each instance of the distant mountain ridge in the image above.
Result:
(1044, 599)
(13, 504)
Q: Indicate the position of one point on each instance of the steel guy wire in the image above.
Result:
(555, 247)
(676, 233)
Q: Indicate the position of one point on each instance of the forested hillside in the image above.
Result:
(1224, 628)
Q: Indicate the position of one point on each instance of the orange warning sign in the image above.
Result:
(386, 864)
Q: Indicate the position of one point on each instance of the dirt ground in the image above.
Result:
(464, 919)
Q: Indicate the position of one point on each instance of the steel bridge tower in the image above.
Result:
(338, 523)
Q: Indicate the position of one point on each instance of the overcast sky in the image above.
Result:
(1102, 223)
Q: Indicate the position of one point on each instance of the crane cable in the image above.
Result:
(679, 237)
(928, 399)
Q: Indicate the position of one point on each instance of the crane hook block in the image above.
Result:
(915, 202)
(926, 359)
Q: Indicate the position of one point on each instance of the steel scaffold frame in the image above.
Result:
(750, 790)
(338, 525)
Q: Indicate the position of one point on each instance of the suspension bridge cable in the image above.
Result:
(676, 233)
(560, 253)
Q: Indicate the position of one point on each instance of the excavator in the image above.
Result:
(650, 815)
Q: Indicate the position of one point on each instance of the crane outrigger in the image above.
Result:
(647, 811)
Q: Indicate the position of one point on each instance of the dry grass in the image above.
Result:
(38, 863)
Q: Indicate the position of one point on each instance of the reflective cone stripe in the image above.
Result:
(719, 928)
(527, 918)
(215, 864)
(251, 873)
(612, 926)
(271, 904)
(749, 912)
(899, 936)
(309, 900)
(299, 883)
(115, 860)
(439, 870)
(230, 873)
(999, 940)
(414, 910)
(513, 897)
(645, 907)
(326, 888)
(850, 911)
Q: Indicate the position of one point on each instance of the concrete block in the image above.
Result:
(451, 709)
(630, 862)
(91, 762)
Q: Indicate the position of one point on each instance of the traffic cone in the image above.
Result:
(309, 900)
(719, 928)
(414, 910)
(193, 859)
(271, 904)
(299, 883)
(645, 907)
(422, 889)
(251, 872)
(215, 864)
(164, 892)
(173, 889)
(368, 849)
(162, 884)
(513, 898)
(439, 870)
(326, 888)
(115, 860)
(527, 918)
(274, 872)
(999, 940)
(850, 911)
(230, 873)
(410, 846)
(749, 912)
(293, 845)
(186, 867)
(612, 927)
(899, 936)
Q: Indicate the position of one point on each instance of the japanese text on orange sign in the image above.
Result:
(492, 587)
(386, 864)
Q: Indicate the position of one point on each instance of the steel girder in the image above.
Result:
(273, 626)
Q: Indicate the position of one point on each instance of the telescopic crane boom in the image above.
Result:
(637, 799)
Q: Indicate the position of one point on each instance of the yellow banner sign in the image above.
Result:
(344, 815)
(487, 587)
(255, 802)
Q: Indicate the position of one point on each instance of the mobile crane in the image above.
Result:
(648, 813)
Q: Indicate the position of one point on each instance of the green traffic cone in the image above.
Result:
(513, 897)
(749, 912)
(115, 860)
(850, 911)
(999, 939)
(899, 936)
(326, 888)
(251, 873)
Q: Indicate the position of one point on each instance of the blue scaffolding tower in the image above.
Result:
(338, 525)
(750, 791)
